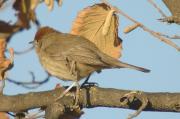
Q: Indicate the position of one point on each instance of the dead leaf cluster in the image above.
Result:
(25, 13)
(99, 24)
(5, 64)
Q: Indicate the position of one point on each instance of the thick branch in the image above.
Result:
(156, 101)
(91, 97)
(54, 111)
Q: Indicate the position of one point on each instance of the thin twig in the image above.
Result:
(10, 114)
(170, 37)
(158, 9)
(153, 33)
(31, 84)
(24, 51)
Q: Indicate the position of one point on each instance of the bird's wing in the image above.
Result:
(84, 55)
(74, 49)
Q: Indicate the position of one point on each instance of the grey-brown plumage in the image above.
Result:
(71, 57)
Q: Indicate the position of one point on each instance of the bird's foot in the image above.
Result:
(76, 104)
(89, 84)
(133, 96)
(66, 91)
(76, 95)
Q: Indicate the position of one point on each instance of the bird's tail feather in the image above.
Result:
(125, 65)
(114, 63)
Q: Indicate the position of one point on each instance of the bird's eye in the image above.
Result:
(35, 42)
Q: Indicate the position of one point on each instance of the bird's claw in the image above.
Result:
(89, 84)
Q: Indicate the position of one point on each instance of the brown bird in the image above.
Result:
(72, 57)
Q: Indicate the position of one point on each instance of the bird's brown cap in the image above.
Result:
(43, 31)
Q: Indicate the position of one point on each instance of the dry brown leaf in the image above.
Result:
(25, 13)
(47, 2)
(50, 4)
(4, 115)
(34, 4)
(107, 22)
(6, 29)
(96, 20)
(5, 63)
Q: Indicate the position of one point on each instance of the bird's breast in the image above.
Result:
(58, 69)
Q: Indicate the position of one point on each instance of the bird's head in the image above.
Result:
(43, 31)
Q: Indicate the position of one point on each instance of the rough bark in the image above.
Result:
(90, 97)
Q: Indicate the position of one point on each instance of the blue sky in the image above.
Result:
(139, 48)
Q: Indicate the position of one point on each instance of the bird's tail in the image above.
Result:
(125, 65)
(114, 63)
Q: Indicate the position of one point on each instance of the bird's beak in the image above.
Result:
(31, 42)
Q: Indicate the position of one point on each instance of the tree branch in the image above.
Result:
(157, 8)
(89, 98)
(54, 111)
